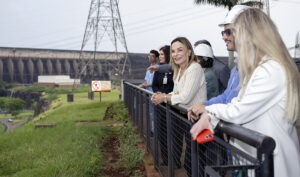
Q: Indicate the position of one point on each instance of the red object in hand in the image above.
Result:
(205, 136)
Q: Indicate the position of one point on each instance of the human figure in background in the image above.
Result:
(189, 89)
(222, 72)
(147, 84)
(205, 56)
(163, 83)
(269, 98)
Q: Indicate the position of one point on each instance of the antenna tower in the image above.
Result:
(104, 19)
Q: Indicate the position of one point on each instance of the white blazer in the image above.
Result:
(262, 109)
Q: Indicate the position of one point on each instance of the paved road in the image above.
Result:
(10, 125)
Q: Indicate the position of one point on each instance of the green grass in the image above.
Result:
(36, 88)
(64, 150)
(25, 114)
(1, 129)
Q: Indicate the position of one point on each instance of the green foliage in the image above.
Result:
(1, 129)
(131, 157)
(37, 88)
(52, 97)
(4, 86)
(14, 105)
(117, 111)
(229, 3)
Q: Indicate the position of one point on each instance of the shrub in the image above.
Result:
(131, 157)
(52, 97)
(14, 105)
(117, 111)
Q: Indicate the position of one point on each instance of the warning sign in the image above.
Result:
(101, 86)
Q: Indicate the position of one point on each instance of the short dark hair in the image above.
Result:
(155, 52)
(202, 42)
(206, 62)
(166, 51)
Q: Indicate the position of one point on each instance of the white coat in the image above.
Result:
(262, 109)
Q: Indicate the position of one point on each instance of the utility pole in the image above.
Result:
(104, 19)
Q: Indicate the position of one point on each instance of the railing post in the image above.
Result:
(155, 138)
(170, 143)
(194, 158)
(147, 123)
(141, 114)
(267, 165)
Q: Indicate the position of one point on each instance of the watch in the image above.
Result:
(165, 99)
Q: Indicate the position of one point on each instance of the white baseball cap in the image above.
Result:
(204, 51)
(233, 14)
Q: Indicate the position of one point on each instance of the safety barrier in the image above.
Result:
(174, 152)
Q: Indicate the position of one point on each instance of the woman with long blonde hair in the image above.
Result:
(268, 101)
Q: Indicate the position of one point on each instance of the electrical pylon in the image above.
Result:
(104, 19)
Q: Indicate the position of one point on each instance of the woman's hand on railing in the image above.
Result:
(157, 98)
(202, 124)
(195, 111)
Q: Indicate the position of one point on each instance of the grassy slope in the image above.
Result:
(64, 150)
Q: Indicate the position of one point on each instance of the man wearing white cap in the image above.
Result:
(205, 56)
(232, 85)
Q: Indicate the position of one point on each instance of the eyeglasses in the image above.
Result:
(227, 32)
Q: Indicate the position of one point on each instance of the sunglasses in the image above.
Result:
(227, 32)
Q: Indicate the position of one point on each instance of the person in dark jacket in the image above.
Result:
(163, 81)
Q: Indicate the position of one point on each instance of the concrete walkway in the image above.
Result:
(11, 125)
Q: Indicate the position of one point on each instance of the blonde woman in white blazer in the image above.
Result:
(270, 88)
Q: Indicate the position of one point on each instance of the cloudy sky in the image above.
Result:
(60, 24)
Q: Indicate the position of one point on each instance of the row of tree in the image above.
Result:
(12, 105)
(230, 3)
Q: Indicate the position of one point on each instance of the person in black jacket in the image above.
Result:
(163, 81)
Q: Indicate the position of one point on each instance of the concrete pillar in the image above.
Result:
(49, 66)
(58, 67)
(10, 68)
(75, 68)
(30, 69)
(91, 68)
(83, 68)
(1, 70)
(40, 67)
(99, 69)
(67, 67)
(20, 66)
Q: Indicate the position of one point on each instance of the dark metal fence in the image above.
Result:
(176, 155)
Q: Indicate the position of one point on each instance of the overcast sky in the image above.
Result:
(148, 24)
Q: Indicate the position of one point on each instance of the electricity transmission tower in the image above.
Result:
(104, 19)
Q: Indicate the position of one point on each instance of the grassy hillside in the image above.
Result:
(64, 150)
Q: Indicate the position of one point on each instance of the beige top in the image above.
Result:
(191, 88)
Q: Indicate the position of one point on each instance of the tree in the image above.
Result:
(230, 3)
(13, 105)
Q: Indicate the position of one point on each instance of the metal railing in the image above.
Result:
(172, 145)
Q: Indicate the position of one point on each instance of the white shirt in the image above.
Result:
(262, 109)
(191, 88)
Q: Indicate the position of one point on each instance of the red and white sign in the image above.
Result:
(101, 86)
